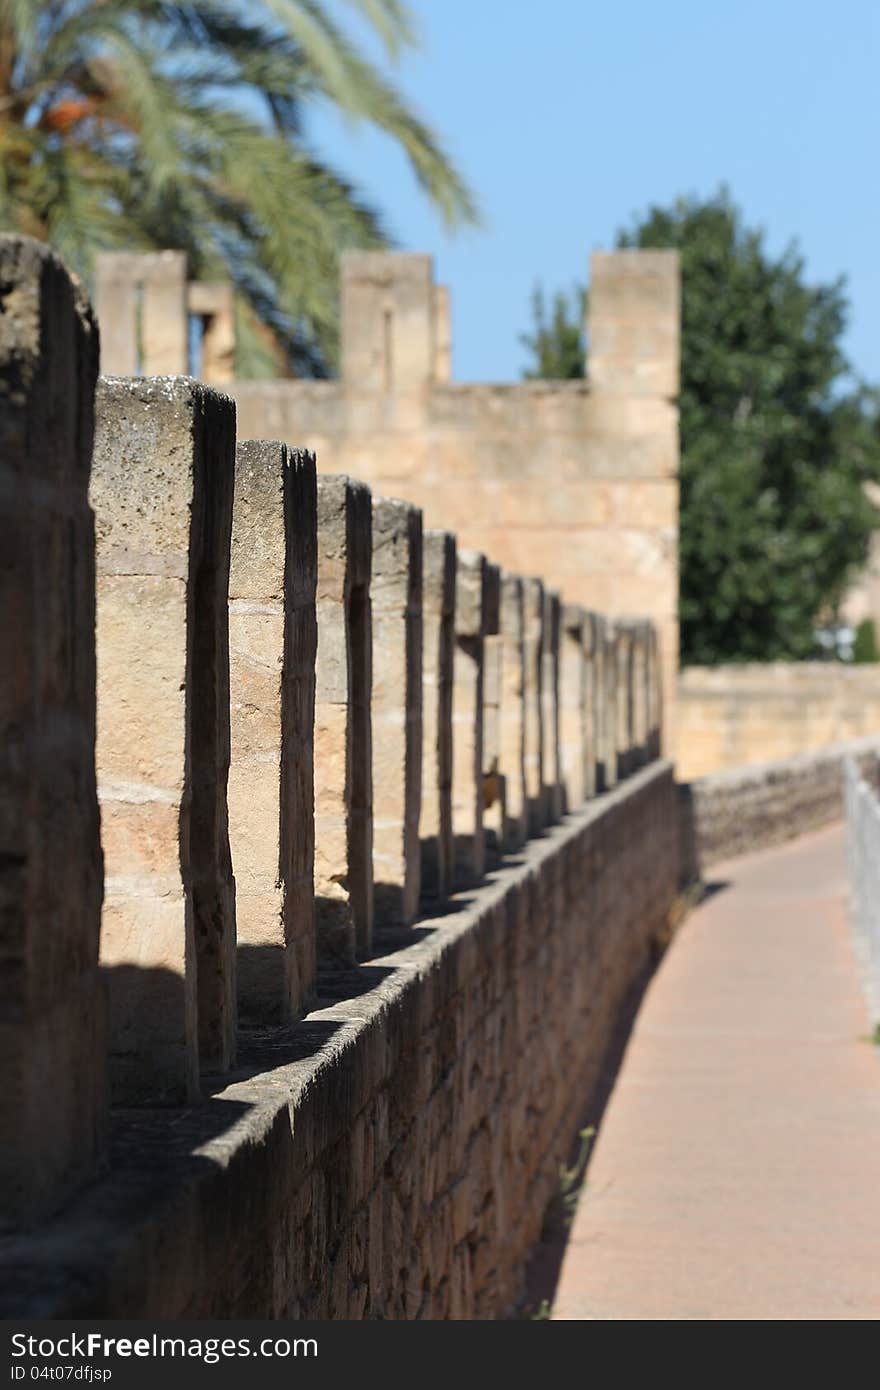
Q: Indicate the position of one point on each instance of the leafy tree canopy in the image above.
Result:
(777, 442)
(141, 124)
(557, 342)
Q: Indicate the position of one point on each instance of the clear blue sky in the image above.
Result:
(568, 116)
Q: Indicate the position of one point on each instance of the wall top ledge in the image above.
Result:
(730, 778)
(170, 1169)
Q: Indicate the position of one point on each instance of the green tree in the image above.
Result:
(147, 123)
(865, 644)
(557, 339)
(776, 441)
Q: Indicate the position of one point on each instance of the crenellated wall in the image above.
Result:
(574, 481)
(337, 1086)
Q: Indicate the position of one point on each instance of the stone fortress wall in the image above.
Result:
(330, 850)
(574, 481)
(732, 717)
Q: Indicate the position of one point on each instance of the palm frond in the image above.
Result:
(182, 123)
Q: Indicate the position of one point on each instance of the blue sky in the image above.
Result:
(569, 116)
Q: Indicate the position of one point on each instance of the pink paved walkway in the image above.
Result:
(737, 1172)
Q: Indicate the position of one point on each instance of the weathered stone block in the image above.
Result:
(624, 659)
(467, 719)
(52, 1045)
(439, 567)
(634, 322)
(655, 693)
(141, 299)
(494, 789)
(573, 705)
(550, 641)
(273, 643)
(590, 643)
(162, 486)
(610, 703)
(533, 648)
(640, 696)
(343, 725)
(396, 590)
(388, 339)
(513, 711)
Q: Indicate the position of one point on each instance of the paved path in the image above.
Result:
(737, 1171)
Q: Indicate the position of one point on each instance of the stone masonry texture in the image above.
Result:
(438, 607)
(494, 785)
(513, 711)
(533, 677)
(467, 719)
(736, 716)
(311, 1120)
(551, 634)
(590, 703)
(478, 459)
(162, 485)
(396, 600)
(52, 1072)
(572, 705)
(273, 642)
(343, 737)
(475, 458)
(141, 301)
(623, 657)
(611, 704)
(731, 813)
(401, 1168)
(601, 698)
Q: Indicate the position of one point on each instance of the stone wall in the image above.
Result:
(731, 813)
(734, 716)
(326, 1099)
(51, 1007)
(575, 481)
(394, 1155)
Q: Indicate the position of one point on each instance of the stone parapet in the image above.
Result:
(162, 485)
(468, 714)
(438, 588)
(396, 599)
(309, 720)
(398, 1161)
(733, 812)
(343, 723)
(273, 642)
(52, 1043)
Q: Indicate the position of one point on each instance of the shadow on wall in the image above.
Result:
(262, 1046)
(688, 842)
(545, 1265)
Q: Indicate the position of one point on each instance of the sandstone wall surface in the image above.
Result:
(575, 481)
(734, 716)
(322, 1103)
(732, 812)
(51, 870)
(395, 1156)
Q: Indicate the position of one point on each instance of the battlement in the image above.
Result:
(576, 481)
(309, 724)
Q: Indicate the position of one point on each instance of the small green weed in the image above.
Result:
(571, 1180)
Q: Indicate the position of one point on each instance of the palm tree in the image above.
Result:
(144, 123)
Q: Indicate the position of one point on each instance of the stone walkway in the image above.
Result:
(737, 1171)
